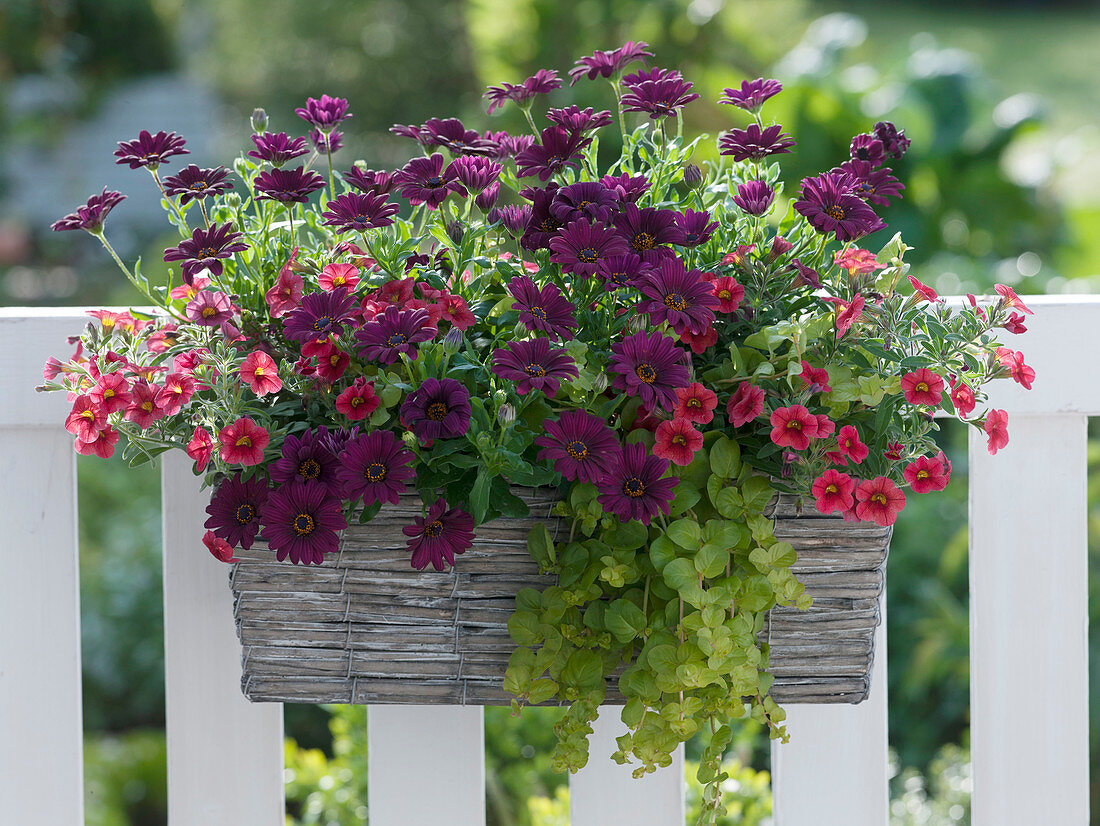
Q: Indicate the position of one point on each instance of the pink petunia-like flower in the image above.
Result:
(922, 387)
(332, 363)
(893, 451)
(833, 491)
(1010, 299)
(111, 392)
(218, 547)
(996, 430)
(1015, 323)
(260, 373)
(923, 290)
(86, 419)
(457, 311)
(927, 473)
(848, 313)
(286, 293)
(243, 442)
(200, 448)
(793, 427)
(338, 275)
(729, 293)
(879, 500)
(103, 445)
(695, 403)
(746, 403)
(142, 409)
(177, 391)
(816, 379)
(678, 441)
(857, 261)
(1022, 374)
(825, 426)
(701, 342)
(359, 400)
(963, 399)
(849, 446)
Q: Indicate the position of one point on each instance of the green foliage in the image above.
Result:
(124, 779)
(330, 790)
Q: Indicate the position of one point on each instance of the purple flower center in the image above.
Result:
(588, 255)
(437, 411)
(836, 212)
(303, 524)
(538, 312)
(535, 370)
(375, 472)
(309, 469)
(675, 301)
(245, 513)
(634, 487)
(433, 529)
(397, 339)
(577, 449)
(322, 323)
(643, 241)
(646, 373)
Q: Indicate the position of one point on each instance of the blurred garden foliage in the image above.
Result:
(983, 204)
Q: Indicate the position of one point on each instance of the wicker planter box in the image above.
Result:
(366, 628)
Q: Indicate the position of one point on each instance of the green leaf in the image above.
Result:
(625, 620)
(680, 574)
(728, 503)
(479, 495)
(627, 536)
(523, 627)
(711, 560)
(686, 498)
(685, 533)
(757, 492)
(725, 458)
(583, 670)
(540, 546)
(756, 594)
(541, 690)
(661, 552)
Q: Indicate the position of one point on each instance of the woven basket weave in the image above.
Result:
(366, 628)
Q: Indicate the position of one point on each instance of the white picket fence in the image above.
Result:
(1028, 620)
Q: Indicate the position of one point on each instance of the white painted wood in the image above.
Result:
(1029, 624)
(835, 771)
(225, 755)
(41, 766)
(426, 764)
(604, 793)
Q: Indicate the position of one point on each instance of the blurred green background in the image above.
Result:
(998, 97)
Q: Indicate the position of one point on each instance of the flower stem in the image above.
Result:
(126, 270)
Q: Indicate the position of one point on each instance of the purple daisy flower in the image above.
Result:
(326, 143)
(648, 230)
(287, 185)
(514, 218)
(581, 246)
(319, 315)
(659, 98)
(546, 310)
(205, 249)
(754, 197)
(475, 172)
(876, 186)
(307, 458)
(542, 225)
(894, 142)
(302, 522)
(487, 198)
(324, 114)
(829, 204)
(621, 271)
(417, 133)
(576, 121)
(191, 182)
(754, 142)
(695, 227)
(91, 216)
(235, 510)
(650, 366)
(451, 134)
(277, 148)
(867, 148)
(541, 82)
(606, 64)
(681, 297)
(337, 438)
(149, 150)
(752, 94)
(356, 211)
(440, 536)
(376, 467)
(534, 365)
(425, 181)
(651, 76)
(626, 188)
(580, 444)
(587, 200)
(633, 488)
(437, 409)
(557, 150)
(512, 145)
(209, 309)
(392, 333)
(370, 181)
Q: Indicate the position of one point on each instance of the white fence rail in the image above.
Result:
(1028, 619)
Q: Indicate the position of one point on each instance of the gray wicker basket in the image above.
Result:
(366, 628)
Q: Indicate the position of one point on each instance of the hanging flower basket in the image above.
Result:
(363, 628)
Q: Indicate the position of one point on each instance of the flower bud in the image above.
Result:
(409, 438)
(259, 121)
(455, 231)
(693, 176)
(500, 397)
(484, 441)
(232, 200)
(506, 414)
(599, 384)
(452, 342)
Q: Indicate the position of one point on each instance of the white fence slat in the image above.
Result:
(426, 765)
(1029, 623)
(41, 756)
(604, 793)
(225, 754)
(835, 769)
